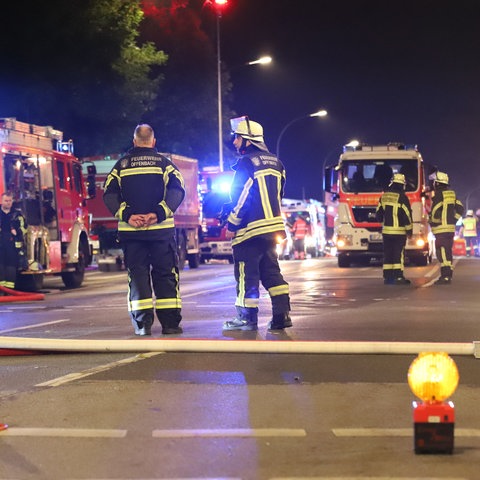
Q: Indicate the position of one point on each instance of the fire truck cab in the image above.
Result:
(45, 178)
(358, 180)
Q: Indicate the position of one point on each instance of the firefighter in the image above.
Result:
(395, 213)
(446, 211)
(12, 232)
(469, 232)
(300, 230)
(143, 190)
(254, 222)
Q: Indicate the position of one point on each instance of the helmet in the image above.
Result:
(469, 213)
(441, 177)
(399, 178)
(249, 130)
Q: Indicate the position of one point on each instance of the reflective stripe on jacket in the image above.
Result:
(446, 210)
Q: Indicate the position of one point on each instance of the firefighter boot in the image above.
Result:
(280, 321)
(246, 319)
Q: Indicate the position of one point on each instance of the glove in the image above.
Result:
(223, 215)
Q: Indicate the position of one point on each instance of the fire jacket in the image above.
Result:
(395, 212)
(256, 193)
(14, 220)
(300, 229)
(446, 210)
(469, 227)
(144, 181)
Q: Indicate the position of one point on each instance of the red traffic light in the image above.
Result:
(219, 5)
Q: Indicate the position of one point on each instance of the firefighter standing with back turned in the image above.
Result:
(469, 232)
(143, 190)
(446, 211)
(254, 221)
(395, 213)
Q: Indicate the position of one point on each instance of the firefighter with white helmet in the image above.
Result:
(445, 212)
(254, 222)
(469, 232)
(395, 212)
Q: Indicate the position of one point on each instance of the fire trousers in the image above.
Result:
(153, 264)
(393, 256)
(444, 252)
(8, 263)
(256, 261)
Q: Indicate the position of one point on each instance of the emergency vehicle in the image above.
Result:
(215, 192)
(358, 180)
(313, 212)
(45, 179)
(108, 253)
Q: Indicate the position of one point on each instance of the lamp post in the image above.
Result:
(320, 113)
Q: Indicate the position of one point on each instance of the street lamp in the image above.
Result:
(320, 113)
(261, 61)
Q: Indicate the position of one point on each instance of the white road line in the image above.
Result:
(230, 432)
(368, 478)
(35, 325)
(395, 432)
(92, 371)
(63, 432)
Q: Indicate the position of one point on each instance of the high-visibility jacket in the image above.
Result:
(144, 181)
(469, 227)
(395, 212)
(300, 229)
(256, 192)
(446, 210)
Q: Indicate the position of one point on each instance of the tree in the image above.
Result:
(76, 65)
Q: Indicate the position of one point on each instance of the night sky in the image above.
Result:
(386, 71)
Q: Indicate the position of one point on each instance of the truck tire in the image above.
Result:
(75, 278)
(29, 283)
(193, 260)
(182, 251)
(343, 261)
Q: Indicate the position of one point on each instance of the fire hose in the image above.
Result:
(10, 295)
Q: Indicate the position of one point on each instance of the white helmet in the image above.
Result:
(249, 130)
(441, 177)
(469, 213)
(399, 178)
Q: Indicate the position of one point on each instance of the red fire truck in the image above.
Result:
(363, 172)
(107, 251)
(39, 169)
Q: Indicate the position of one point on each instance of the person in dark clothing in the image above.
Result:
(395, 212)
(445, 212)
(143, 190)
(12, 231)
(254, 221)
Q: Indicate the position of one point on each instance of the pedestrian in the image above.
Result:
(395, 213)
(469, 232)
(143, 190)
(12, 230)
(446, 211)
(300, 230)
(254, 221)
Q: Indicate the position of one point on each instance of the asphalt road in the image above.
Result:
(238, 414)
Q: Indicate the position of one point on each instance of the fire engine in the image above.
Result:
(39, 169)
(313, 212)
(357, 182)
(107, 250)
(215, 192)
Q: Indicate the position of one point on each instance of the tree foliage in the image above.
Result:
(77, 65)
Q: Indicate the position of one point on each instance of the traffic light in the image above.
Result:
(219, 6)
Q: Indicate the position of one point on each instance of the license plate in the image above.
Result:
(376, 237)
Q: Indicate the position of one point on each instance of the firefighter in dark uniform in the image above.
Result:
(446, 211)
(12, 231)
(143, 190)
(395, 212)
(254, 222)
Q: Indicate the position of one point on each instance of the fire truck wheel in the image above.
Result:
(194, 260)
(29, 283)
(343, 261)
(182, 251)
(75, 279)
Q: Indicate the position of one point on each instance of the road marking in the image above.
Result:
(367, 478)
(63, 432)
(395, 432)
(71, 377)
(34, 325)
(230, 432)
